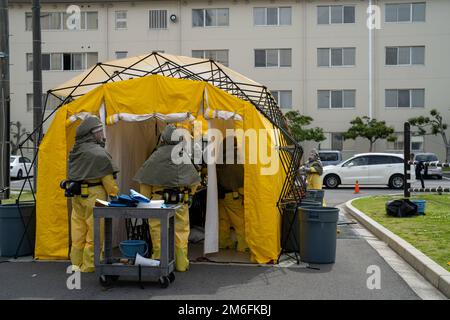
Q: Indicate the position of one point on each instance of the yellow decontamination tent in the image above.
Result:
(134, 97)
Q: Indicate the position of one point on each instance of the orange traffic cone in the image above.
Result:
(356, 187)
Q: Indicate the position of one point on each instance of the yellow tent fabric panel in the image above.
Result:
(179, 94)
(90, 102)
(52, 220)
(261, 192)
(153, 94)
(52, 224)
(220, 100)
(70, 135)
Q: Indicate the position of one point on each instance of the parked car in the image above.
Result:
(367, 169)
(430, 171)
(330, 157)
(19, 166)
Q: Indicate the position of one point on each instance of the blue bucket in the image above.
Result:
(130, 248)
(420, 205)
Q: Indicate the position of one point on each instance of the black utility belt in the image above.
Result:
(175, 195)
(77, 188)
(92, 184)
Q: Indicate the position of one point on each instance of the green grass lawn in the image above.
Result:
(26, 196)
(430, 233)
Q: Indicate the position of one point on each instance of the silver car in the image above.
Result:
(368, 169)
(330, 157)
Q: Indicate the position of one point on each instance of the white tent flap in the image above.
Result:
(211, 244)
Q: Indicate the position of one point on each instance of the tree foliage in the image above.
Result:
(17, 133)
(370, 129)
(436, 125)
(297, 124)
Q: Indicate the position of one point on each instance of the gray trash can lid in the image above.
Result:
(319, 214)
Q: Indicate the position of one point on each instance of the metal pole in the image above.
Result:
(37, 79)
(4, 101)
(370, 67)
(406, 158)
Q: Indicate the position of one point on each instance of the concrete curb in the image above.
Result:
(430, 270)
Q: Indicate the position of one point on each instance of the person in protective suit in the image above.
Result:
(230, 180)
(313, 169)
(161, 178)
(91, 166)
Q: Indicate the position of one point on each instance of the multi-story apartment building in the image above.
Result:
(318, 57)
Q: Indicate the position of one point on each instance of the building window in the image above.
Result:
(405, 12)
(266, 58)
(417, 143)
(210, 17)
(336, 99)
(220, 56)
(337, 141)
(283, 98)
(88, 21)
(335, 14)
(396, 56)
(49, 21)
(64, 61)
(334, 57)
(281, 16)
(52, 102)
(121, 54)
(121, 20)
(29, 21)
(397, 144)
(59, 20)
(405, 98)
(157, 19)
(29, 61)
(91, 20)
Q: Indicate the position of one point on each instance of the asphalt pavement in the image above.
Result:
(16, 184)
(346, 279)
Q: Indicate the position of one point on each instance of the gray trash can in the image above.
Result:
(12, 229)
(290, 238)
(315, 195)
(318, 228)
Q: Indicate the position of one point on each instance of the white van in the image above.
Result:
(367, 169)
